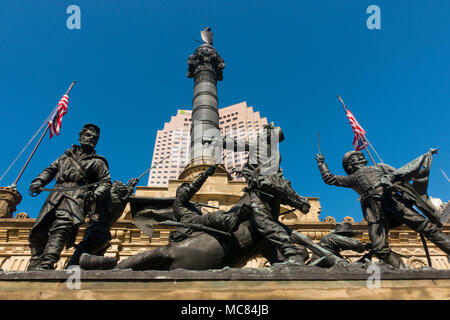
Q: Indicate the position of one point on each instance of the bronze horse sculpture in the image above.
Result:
(199, 250)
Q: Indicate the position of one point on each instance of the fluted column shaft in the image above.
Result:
(205, 66)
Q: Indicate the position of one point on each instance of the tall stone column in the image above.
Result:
(205, 66)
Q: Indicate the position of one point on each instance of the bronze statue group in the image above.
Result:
(84, 191)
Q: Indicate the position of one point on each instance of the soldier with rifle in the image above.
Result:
(339, 240)
(82, 182)
(388, 199)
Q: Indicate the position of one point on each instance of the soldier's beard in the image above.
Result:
(87, 146)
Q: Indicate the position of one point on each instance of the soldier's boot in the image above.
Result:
(52, 252)
(34, 263)
(75, 258)
(35, 259)
(37, 240)
(435, 235)
(92, 262)
(394, 260)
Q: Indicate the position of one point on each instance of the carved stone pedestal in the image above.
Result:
(9, 199)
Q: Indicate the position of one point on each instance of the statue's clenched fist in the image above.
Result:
(90, 198)
(132, 182)
(35, 187)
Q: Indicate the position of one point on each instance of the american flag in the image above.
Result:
(61, 110)
(359, 142)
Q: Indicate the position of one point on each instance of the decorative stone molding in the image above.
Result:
(330, 219)
(21, 216)
(348, 219)
(416, 263)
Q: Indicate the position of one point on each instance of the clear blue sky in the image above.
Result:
(287, 59)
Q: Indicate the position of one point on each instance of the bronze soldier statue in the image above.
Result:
(388, 199)
(187, 212)
(339, 240)
(267, 189)
(82, 181)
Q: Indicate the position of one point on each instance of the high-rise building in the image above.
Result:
(171, 151)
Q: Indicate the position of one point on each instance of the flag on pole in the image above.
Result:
(61, 110)
(359, 141)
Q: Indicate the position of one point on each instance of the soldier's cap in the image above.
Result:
(344, 228)
(90, 126)
(347, 156)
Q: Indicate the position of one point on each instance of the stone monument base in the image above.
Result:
(284, 283)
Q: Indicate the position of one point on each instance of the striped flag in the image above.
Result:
(359, 141)
(61, 110)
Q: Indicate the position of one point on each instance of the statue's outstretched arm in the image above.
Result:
(328, 177)
(192, 189)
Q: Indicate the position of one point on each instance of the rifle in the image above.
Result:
(194, 226)
(370, 254)
(286, 212)
(327, 255)
(204, 205)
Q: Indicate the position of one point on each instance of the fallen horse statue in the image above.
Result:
(200, 249)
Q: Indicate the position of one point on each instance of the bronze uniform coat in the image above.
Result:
(66, 171)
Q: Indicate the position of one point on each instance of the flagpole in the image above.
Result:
(374, 150)
(359, 137)
(14, 185)
(367, 149)
(445, 175)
